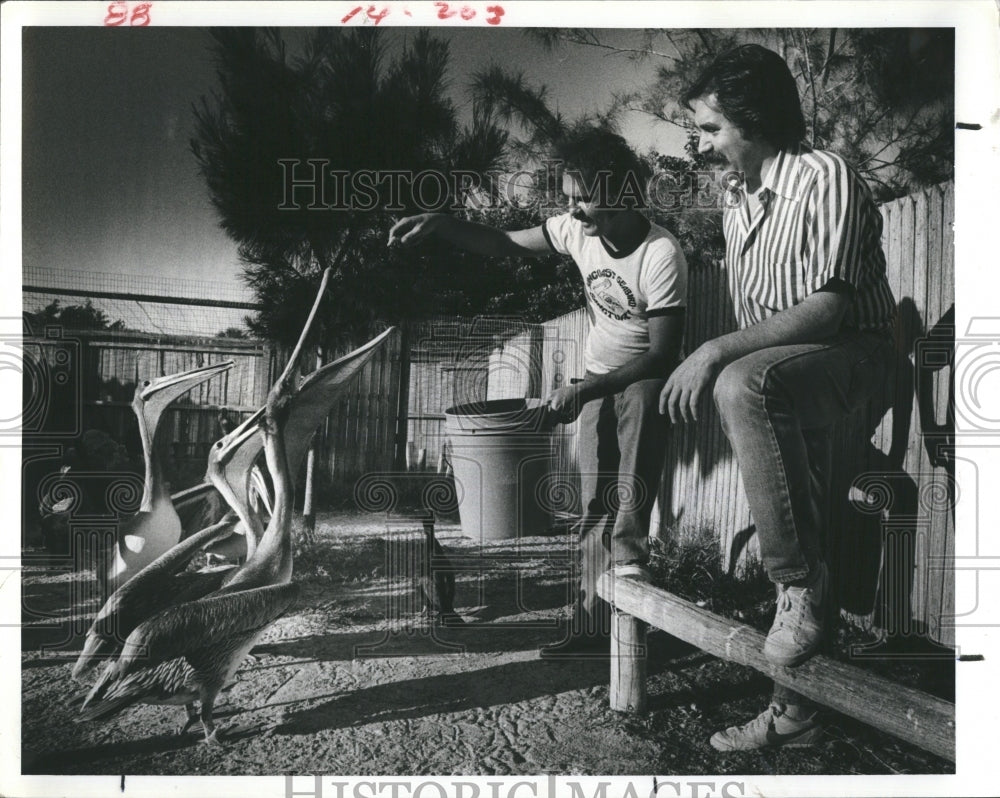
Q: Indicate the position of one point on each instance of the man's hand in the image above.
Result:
(414, 228)
(689, 381)
(565, 403)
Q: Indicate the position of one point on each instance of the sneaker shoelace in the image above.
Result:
(763, 721)
(784, 601)
(785, 605)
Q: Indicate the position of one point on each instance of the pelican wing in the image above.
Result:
(314, 398)
(200, 624)
(154, 588)
(165, 658)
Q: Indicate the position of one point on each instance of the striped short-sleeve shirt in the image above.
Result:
(817, 222)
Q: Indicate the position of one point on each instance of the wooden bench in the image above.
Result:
(911, 715)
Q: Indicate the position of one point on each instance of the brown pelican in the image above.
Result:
(188, 652)
(156, 527)
(231, 469)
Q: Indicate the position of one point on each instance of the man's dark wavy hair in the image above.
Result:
(755, 90)
(593, 150)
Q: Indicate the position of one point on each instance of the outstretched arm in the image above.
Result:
(472, 236)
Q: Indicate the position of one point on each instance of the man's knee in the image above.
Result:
(643, 395)
(734, 386)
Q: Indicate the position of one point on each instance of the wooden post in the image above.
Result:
(907, 713)
(402, 409)
(308, 508)
(628, 663)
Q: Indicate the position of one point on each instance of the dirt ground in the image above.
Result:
(354, 681)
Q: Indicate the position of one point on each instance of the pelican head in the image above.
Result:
(229, 463)
(152, 397)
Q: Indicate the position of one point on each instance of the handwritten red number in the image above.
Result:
(117, 14)
(346, 18)
(140, 15)
(380, 15)
(497, 12)
(443, 12)
(467, 13)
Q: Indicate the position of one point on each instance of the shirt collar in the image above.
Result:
(783, 176)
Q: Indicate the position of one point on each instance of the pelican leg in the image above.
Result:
(192, 718)
(207, 705)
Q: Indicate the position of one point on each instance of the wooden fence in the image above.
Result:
(363, 431)
(899, 523)
(94, 376)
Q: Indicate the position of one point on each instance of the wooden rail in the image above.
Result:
(909, 714)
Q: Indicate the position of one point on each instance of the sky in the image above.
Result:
(109, 183)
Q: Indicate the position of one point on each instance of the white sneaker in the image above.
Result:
(797, 630)
(772, 728)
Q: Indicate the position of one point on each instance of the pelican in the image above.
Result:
(163, 583)
(190, 651)
(311, 404)
(232, 471)
(156, 527)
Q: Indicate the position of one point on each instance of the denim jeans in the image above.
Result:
(778, 406)
(621, 447)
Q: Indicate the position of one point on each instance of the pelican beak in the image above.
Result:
(151, 400)
(225, 447)
(172, 386)
(230, 461)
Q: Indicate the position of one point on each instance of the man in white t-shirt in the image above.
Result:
(635, 278)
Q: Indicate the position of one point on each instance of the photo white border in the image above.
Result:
(977, 176)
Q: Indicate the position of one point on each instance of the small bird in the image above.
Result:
(437, 580)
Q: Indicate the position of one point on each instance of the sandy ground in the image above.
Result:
(354, 681)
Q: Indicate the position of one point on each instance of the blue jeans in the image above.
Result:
(621, 447)
(778, 407)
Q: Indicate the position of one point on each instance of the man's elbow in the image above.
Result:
(834, 301)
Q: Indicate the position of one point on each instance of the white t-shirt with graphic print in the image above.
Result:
(622, 292)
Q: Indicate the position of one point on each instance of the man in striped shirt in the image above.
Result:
(815, 313)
